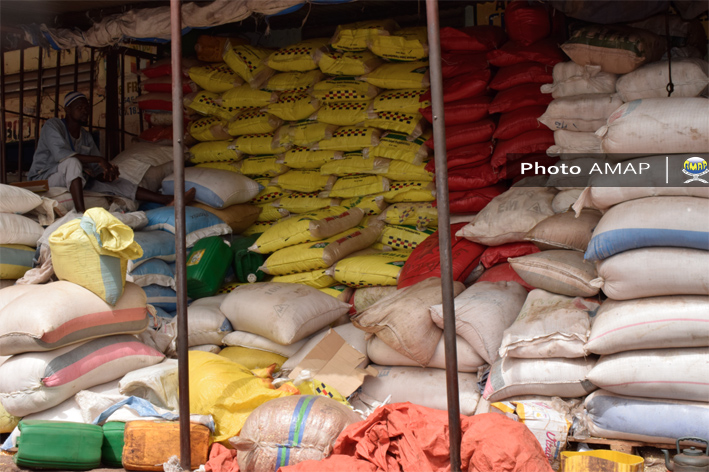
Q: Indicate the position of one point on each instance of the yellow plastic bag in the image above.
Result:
(411, 124)
(261, 166)
(93, 251)
(214, 151)
(350, 138)
(252, 358)
(228, 391)
(348, 63)
(406, 44)
(246, 97)
(254, 121)
(269, 193)
(404, 238)
(400, 170)
(370, 270)
(260, 144)
(316, 387)
(358, 185)
(231, 166)
(15, 260)
(302, 202)
(250, 63)
(316, 278)
(207, 103)
(215, 77)
(7, 421)
(306, 132)
(403, 101)
(403, 75)
(341, 292)
(356, 163)
(356, 36)
(342, 113)
(209, 128)
(418, 215)
(270, 213)
(294, 106)
(344, 89)
(293, 81)
(399, 146)
(610, 461)
(304, 180)
(299, 56)
(258, 227)
(410, 191)
(370, 204)
(304, 158)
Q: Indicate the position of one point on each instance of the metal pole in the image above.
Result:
(3, 98)
(76, 69)
(38, 110)
(137, 74)
(21, 123)
(180, 244)
(91, 90)
(123, 101)
(56, 83)
(444, 232)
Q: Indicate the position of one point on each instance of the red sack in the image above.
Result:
(503, 273)
(465, 156)
(526, 143)
(468, 178)
(454, 64)
(519, 96)
(461, 111)
(522, 73)
(513, 170)
(519, 121)
(155, 101)
(425, 260)
(164, 84)
(467, 133)
(469, 201)
(497, 254)
(526, 23)
(463, 86)
(472, 38)
(545, 52)
(157, 133)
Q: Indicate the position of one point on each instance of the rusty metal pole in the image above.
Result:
(123, 100)
(3, 148)
(92, 70)
(38, 109)
(444, 232)
(21, 124)
(56, 83)
(180, 245)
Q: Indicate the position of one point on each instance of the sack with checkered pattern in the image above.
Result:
(304, 158)
(400, 170)
(293, 81)
(304, 180)
(246, 97)
(369, 270)
(214, 151)
(302, 202)
(215, 77)
(259, 144)
(254, 121)
(209, 128)
(294, 106)
(357, 185)
(271, 213)
(403, 101)
(250, 63)
(315, 278)
(261, 166)
(350, 138)
(344, 89)
(355, 163)
(410, 191)
(402, 75)
(412, 124)
(306, 133)
(342, 113)
(400, 146)
(406, 44)
(347, 63)
(356, 36)
(418, 215)
(269, 192)
(207, 103)
(403, 238)
(370, 204)
(298, 57)
(257, 228)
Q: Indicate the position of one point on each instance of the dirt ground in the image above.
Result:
(6, 465)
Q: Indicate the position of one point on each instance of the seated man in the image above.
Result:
(68, 157)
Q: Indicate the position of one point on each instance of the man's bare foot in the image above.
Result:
(189, 197)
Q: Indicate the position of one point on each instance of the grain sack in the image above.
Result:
(342, 113)
(424, 387)
(657, 126)
(304, 158)
(564, 200)
(293, 81)
(297, 57)
(403, 238)
(209, 128)
(356, 36)
(352, 335)
(559, 271)
(645, 419)
(282, 312)
(380, 353)
(254, 341)
(304, 180)
(347, 63)
(302, 202)
(411, 124)
(556, 377)
(259, 144)
(269, 213)
(216, 188)
(317, 421)
(305, 133)
(393, 145)
(371, 205)
(153, 271)
(246, 97)
(617, 49)
(508, 217)
(35, 381)
(17, 200)
(355, 163)
(406, 44)
(316, 278)
(565, 230)
(580, 112)
(305, 228)
(344, 89)
(357, 186)
(322, 254)
(199, 224)
(250, 63)
(215, 77)
(207, 325)
(403, 171)
(342, 293)
(401, 75)
(252, 358)
(370, 270)
(294, 106)
(573, 79)
(367, 296)
(349, 139)
(254, 121)
(549, 325)
(18, 229)
(689, 77)
(654, 272)
(679, 374)
(483, 311)
(262, 166)
(574, 142)
(214, 151)
(15, 260)
(207, 103)
(410, 191)
(402, 319)
(238, 217)
(419, 215)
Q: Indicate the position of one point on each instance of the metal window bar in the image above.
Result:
(56, 84)
(123, 100)
(76, 69)
(21, 124)
(92, 70)
(3, 169)
(38, 108)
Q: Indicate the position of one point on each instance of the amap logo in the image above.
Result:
(695, 167)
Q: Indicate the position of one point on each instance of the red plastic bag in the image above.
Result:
(519, 96)
(454, 64)
(469, 201)
(513, 170)
(519, 121)
(463, 86)
(522, 73)
(545, 52)
(467, 133)
(503, 273)
(157, 133)
(425, 260)
(497, 254)
(526, 23)
(472, 38)
(526, 143)
(466, 156)
(467, 178)
(461, 111)
(164, 84)
(155, 101)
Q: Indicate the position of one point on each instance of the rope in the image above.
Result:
(670, 85)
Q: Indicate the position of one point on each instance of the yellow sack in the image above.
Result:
(293, 81)
(214, 151)
(211, 48)
(406, 44)
(341, 292)
(7, 421)
(261, 165)
(299, 56)
(403, 101)
(209, 128)
(258, 227)
(342, 113)
(305, 228)
(254, 121)
(356, 36)
(411, 124)
(404, 238)
(304, 158)
(207, 103)
(418, 215)
(321, 254)
(231, 166)
(349, 138)
(250, 63)
(93, 251)
(370, 270)
(294, 106)
(15, 260)
(402, 75)
(357, 186)
(246, 97)
(228, 391)
(270, 213)
(316, 387)
(259, 144)
(399, 146)
(306, 132)
(316, 278)
(301, 202)
(410, 191)
(348, 63)
(269, 192)
(215, 77)
(370, 204)
(344, 89)
(356, 163)
(304, 180)
(252, 358)
(400, 170)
